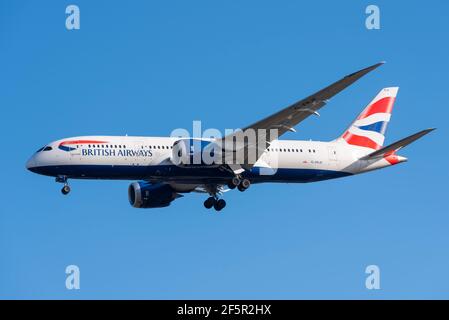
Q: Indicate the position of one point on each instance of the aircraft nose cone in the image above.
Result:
(30, 164)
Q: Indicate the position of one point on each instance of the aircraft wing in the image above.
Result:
(287, 118)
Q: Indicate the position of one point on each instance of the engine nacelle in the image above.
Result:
(147, 195)
(195, 152)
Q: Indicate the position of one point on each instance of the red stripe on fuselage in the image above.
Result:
(384, 105)
(81, 142)
(360, 141)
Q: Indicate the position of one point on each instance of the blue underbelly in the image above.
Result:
(175, 173)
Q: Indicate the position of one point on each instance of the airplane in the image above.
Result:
(165, 171)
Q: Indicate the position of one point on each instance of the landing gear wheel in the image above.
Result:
(65, 190)
(234, 183)
(231, 186)
(209, 203)
(219, 204)
(245, 183)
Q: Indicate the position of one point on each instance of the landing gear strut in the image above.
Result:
(66, 188)
(218, 204)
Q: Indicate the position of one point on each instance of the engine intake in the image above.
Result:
(146, 195)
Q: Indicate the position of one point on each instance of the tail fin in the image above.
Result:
(368, 130)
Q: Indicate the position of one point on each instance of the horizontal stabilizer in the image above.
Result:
(397, 145)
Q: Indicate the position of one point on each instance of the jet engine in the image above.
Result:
(146, 195)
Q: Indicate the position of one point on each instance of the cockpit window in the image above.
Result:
(48, 148)
(40, 149)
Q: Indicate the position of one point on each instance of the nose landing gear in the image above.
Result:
(66, 188)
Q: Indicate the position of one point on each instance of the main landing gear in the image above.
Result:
(218, 204)
(241, 184)
(66, 188)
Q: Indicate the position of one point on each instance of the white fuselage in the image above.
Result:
(148, 158)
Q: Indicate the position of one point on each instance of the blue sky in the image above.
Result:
(145, 68)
